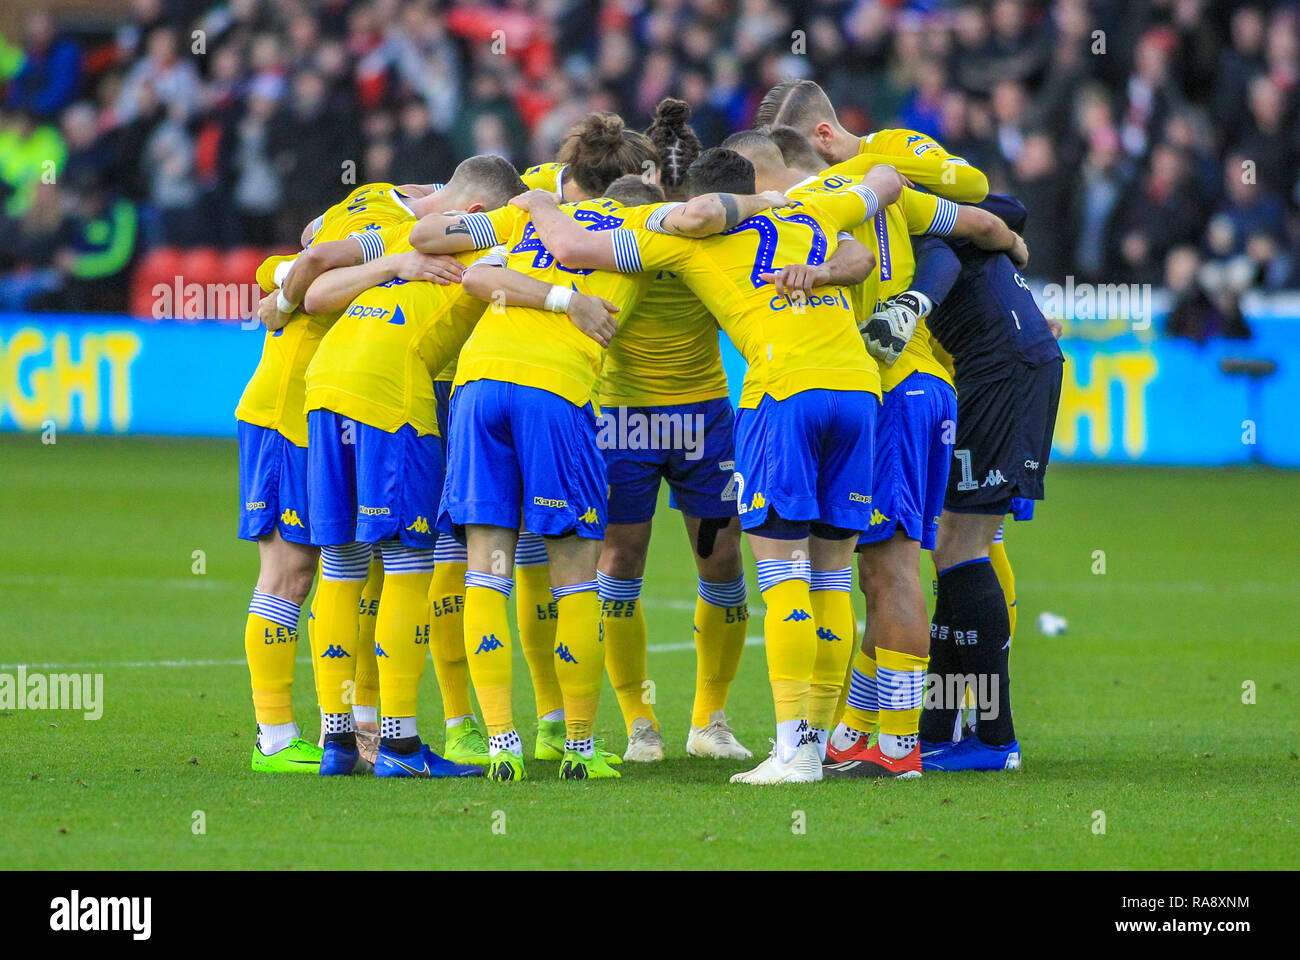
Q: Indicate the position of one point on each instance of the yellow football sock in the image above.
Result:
(623, 621)
(335, 636)
(314, 651)
(900, 680)
(579, 656)
(402, 632)
(536, 613)
(271, 644)
(487, 648)
(367, 693)
(1006, 578)
(791, 637)
(861, 719)
(721, 623)
(837, 630)
(447, 637)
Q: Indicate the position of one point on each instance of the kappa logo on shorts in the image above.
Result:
(334, 652)
(255, 505)
(419, 525)
(859, 497)
(994, 478)
(373, 511)
(563, 653)
(589, 516)
(878, 518)
(544, 502)
(489, 643)
(290, 518)
(757, 502)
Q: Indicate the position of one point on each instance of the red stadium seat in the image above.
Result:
(160, 266)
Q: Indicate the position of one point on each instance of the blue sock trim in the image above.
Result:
(772, 572)
(531, 549)
(617, 588)
(832, 580)
(863, 692)
(399, 558)
(899, 689)
(558, 593)
(732, 593)
(449, 550)
(347, 562)
(476, 578)
(277, 610)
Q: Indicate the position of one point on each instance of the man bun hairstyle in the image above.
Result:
(601, 149)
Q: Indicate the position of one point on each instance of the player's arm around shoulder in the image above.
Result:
(491, 280)
(989, 232)
(924, 160)
(851, 263)
(712, 213)
(332, 291)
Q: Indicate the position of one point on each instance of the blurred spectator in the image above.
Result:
(50, 73)
(1124, 153)
(96, 245)
(1157, 215)
(1206, 304)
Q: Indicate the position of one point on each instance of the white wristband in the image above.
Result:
(282, 270)
(283, 304)
(557, 301)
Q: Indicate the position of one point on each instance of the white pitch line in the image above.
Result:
(650, 648)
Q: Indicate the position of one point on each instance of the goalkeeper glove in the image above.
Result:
(888, 331)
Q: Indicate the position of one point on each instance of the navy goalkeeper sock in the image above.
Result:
(938, 715)
(981, 636)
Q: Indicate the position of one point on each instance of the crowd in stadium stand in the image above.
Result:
(1152, 140)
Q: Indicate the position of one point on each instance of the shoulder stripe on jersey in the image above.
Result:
(372, 245)
(493, 259)
(869, 197)
(400, 199)
(480, 230)
(655, 221)
(945, 218)
(627, 255)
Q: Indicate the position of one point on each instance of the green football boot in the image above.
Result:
(466, 744)
(298, 757)
(577, 767)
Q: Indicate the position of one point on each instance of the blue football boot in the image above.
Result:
(422, 763)
(970, 753)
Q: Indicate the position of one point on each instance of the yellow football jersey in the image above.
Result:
(378, 361)
(546, 176)
(670, 354)
(274, 396)
(923, 161)
(789, 347)
(889, 236)
(539, 348)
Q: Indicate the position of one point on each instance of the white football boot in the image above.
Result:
(804, 767)
(645, 744)
(716, 740)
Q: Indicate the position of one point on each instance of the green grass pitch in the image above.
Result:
(1136, 713)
